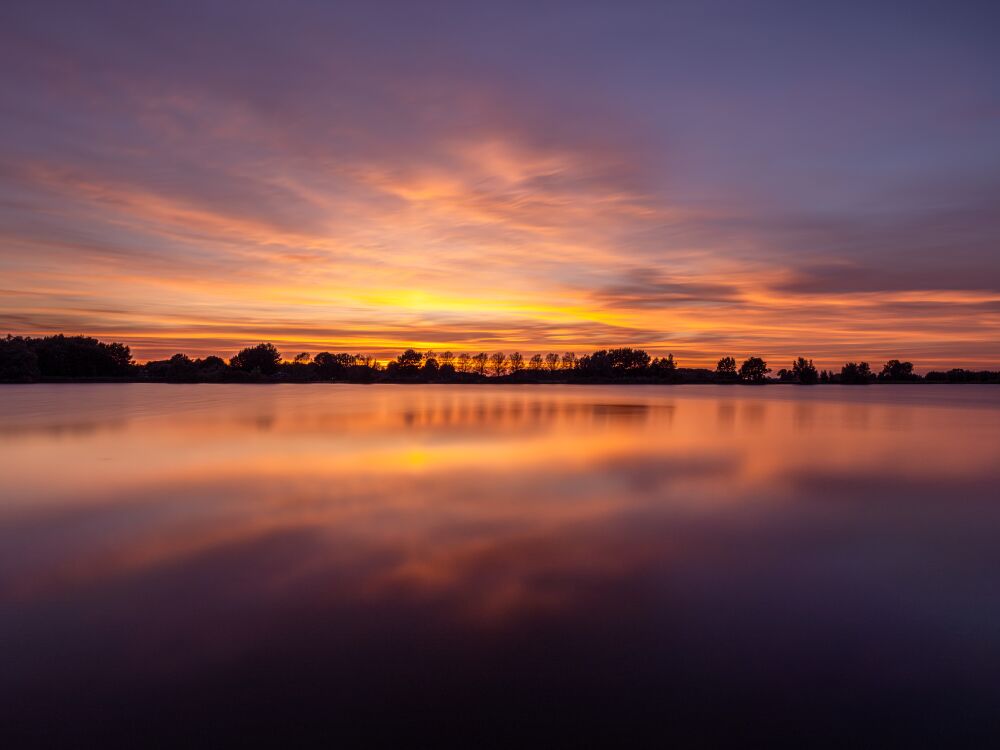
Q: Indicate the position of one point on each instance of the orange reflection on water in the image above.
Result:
(194, 542)
(436, 482)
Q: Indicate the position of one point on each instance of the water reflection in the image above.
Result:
(390, 559)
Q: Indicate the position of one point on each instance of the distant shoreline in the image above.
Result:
(488, 381)
(83, 359)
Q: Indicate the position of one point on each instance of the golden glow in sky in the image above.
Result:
(367, 190)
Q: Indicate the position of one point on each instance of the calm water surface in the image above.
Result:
(360, 564)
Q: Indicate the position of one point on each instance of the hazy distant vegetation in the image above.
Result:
(55, 358)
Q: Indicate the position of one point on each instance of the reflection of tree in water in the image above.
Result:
(804, 417)
(726, 416)
(856, 416)
(754, 414)
(493, 412)
(60, 429)
(264, 422)
(258, 422)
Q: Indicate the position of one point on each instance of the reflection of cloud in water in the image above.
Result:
(439, 543)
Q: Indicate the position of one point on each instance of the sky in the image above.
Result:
(703, 178)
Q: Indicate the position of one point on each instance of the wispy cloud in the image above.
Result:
(321, 179)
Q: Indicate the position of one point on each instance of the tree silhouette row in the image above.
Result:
(59, 357)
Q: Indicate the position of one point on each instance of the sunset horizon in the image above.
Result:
(397, 178)
(564, 373)
(292, 351)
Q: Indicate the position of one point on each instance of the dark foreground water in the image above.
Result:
(499, 565)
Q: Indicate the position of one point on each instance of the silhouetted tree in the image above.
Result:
(498, 363)
(299, 370)
(364, 369)
(754, 370)
(120, 355)
(627, 358)
(181, 368)
(79, 357)
(211, 362)
(211, 369)
(725, 370)
(856, 373)
(805, 372)
(409, 361)
(24, 359)
(479, 363)
(333, 366)
(664, 368)
(614, 363)
(18, 364)
(959, 375)
(896, 371)
(264, 358)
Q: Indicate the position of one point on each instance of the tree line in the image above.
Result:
(59, 357)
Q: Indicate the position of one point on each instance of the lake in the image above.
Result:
(365, 564)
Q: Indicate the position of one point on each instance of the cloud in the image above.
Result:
(370, 178)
